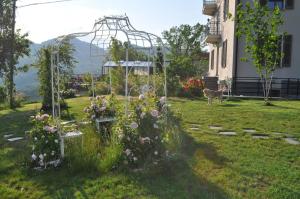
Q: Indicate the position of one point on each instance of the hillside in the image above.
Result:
(28, 82)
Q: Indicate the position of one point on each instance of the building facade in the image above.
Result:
(226, 50)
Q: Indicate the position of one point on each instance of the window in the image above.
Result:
(212, 60)
(226, 9)
(224, 54)
(287, 51)
(282, 4)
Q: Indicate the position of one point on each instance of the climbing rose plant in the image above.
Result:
(142, 134)
(45, 142)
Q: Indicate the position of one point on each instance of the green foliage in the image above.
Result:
(2, 94)
(145, 133)
(45, 141)
(66, 63)
(259, 26)
(186, 54)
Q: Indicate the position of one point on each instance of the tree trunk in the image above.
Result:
(10, 78)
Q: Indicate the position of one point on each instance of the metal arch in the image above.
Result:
(108, 27)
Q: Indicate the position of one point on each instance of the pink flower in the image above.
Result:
(134, 125)
(162, 100)
(141, 97)
(127, 152)
(154, 113)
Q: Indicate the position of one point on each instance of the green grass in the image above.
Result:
(208, 166)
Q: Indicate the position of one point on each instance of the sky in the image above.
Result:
(44, 22)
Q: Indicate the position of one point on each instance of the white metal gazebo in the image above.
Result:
(105, 30)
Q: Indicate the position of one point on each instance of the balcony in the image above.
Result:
(213, 32)
(210, 7)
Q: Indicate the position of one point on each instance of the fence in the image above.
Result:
(280, 87)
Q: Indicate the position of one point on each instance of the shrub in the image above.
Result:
(101, 88)
(45, 142)
(193, 88)
(2, 94)
(144, 134)
(67, 94)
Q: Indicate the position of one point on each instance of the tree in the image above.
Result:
(13, 45)
(185, 53)
(259, 26)
(66, 64)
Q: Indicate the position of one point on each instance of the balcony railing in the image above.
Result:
(210, 7)
(213, 32)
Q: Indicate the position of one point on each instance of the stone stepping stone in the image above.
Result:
(194, 129)
(228, 133)
(15, 139)
(68, 122)
(249, 130)
(292, 141)
(8, 136)
(215, 127)
(260, 136)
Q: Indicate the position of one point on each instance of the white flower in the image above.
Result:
(156, 137)
(41, 163)
(141, 97)
(162, 100)
(33, 156)
(45, 117)
(35, 138)
(143, 115)
(38, 118)
(128, 138)
(134, 125)
(155, 153)
(155, 126)
(56, 141)
(146, 139)
(154, 113)
(98, 97)
(43, 137)
(41, 156)
(103, 108)
(127, 152)
(121, 136)
(47, 141)
(53, 153)
(135, 159)
(45, 154)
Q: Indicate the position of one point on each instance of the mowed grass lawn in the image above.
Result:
(208, 165)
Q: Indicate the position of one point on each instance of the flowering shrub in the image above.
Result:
(102, 107)
(45, 141)
(193, 87)
(69, 93)
(142, 134)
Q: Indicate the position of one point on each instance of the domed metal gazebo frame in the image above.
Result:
(104, 31)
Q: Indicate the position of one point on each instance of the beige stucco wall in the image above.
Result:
(227, 27)
(245, 69)
(292, 27)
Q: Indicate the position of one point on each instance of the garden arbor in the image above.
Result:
(104, 32)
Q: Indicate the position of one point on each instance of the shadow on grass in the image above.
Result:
(174, 179)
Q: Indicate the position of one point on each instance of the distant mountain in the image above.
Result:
(28, 82)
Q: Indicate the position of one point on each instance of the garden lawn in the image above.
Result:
(208, 165)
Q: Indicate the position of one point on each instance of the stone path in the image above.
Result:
(8, 136)
(260, 136)
(212, 127)
(228, 133)
(15, 139)
(292, 141)
(249, 130)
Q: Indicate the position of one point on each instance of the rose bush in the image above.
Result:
(143, 134)
(193, 87)
(45, 141)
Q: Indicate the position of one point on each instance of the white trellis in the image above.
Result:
(104, 31)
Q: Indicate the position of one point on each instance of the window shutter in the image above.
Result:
(263, 2)
(224, 54)
(212, 61)
(289, 4)
(287, 50)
